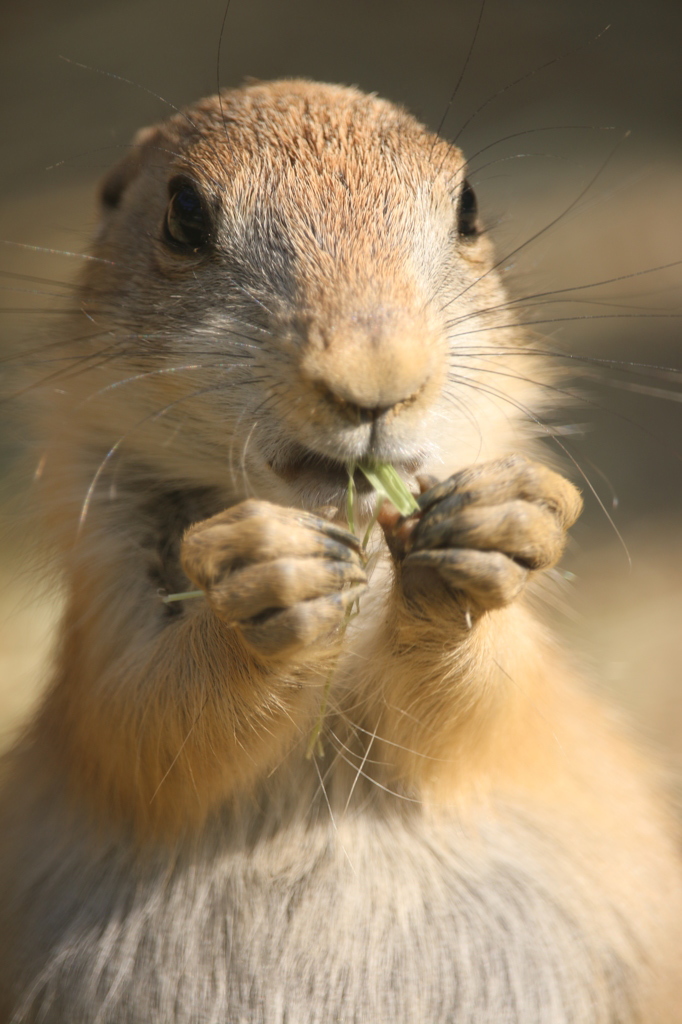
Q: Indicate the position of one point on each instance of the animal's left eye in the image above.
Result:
(187, 223)
(467, 212)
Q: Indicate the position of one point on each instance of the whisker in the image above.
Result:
(68, 372)
(37, 310)
(467, 165)
(142, 88)
(524, 78)
(400, 746)
(584, 400)
(36, 279)
(547, 227)
(164, 370)
(331, 813)
(218, 53)
(462, 73)
(646, 389)
(359, 771)
(245, 475)
(58, 252)
(31, 291)
(494, 392)
(375, 782)
(128, 81)
(151, 417)
(623, 365)
(179, 750)
(568, 319)
(523, 299)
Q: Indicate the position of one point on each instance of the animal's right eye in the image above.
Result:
(467, 214)
(187, 222)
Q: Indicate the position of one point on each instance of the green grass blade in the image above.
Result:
(350, 499)
(386, 480)
(186, 595)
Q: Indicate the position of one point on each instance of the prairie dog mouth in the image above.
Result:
(302, 466)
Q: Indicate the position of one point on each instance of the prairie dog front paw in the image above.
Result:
(485, 529)
(279, 575)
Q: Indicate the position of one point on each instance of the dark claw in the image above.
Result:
(435, 526)
(331, 530)
(274, 632)
(340, 552)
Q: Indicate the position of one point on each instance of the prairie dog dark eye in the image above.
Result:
(467, 213)
(187, 223)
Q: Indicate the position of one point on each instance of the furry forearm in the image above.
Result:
(176, 722)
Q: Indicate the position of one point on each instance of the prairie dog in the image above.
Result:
(289, 279)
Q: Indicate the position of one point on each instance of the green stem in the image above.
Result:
(186, 595)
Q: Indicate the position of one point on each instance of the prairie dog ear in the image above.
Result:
(121, 174)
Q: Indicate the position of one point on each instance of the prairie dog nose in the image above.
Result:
(367, 370)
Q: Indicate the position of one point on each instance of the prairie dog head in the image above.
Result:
(288, 278)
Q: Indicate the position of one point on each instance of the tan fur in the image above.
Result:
(335, 311)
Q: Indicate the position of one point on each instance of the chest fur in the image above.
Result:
(367, 922)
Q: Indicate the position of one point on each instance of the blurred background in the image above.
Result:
(78, 78)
